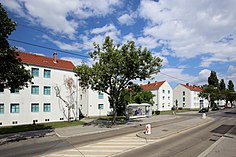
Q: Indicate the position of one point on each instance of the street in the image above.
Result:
(188, 143)
(191, 143)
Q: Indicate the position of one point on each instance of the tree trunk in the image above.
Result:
(68, 118)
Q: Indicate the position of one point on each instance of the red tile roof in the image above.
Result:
(152, 86)
(192, 88)
(33, 59)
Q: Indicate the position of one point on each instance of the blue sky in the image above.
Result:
(192, 37)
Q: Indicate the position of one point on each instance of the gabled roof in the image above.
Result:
(152, 86)
(192, 88)
(33, 59)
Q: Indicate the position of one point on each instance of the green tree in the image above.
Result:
(222, 89)
(230, 85)
(212, 79)
(222, 85)
(13, 73)
(133, 94)
(115, 67)
(211, 91)
(230, 93)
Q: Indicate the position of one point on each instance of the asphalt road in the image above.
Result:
(38, 146)
(191, 143)
(198, 140)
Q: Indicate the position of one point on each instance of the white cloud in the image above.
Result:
(21, 48)
(104, 29)
(231, 69)
(75, 61)
(126, 19)
(193, 28)
(56, 14)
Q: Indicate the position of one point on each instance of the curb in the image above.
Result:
(15, 137)
(175, 132)
(213, 146)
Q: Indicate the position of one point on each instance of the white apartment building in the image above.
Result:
(186, 96)
(163, 99)
(94, 103)
(38, 103)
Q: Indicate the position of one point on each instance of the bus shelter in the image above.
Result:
(139, 110)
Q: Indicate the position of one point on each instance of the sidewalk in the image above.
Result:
(92, 127)
(225, 146)
(174, 128)
(98, 126)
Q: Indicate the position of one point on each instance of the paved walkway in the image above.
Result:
(98, 126)
(174, 128)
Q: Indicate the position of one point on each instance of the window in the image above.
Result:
(34, 89)
(163, 97)
(183, 104)
(47, 73)
(47, 90)
(168, 98)
(168, 91)
(183, 93)
(1, 89)
(46, 107)
(1, 108)
(183, 98)
(35, 107)
(14, 90)
(15, 108)
(163, 91)
(35, 72)
(100, 95)
(100, 106)
(163, 105)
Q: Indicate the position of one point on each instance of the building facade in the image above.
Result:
(94, 103)
(163, 99)
(187, 96)
(39, 103)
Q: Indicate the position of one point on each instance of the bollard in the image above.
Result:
(148, 129)
(204, 115)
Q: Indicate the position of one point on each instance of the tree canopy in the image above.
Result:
(211, 91)
(115, 67)
(230, 85)
(212, 79)
(13, 73)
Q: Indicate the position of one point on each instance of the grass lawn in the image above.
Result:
(108, 118)
(170, 111)
(40, 126)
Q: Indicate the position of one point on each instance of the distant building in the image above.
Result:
(38, 103)
(187, 96)
(163, 99)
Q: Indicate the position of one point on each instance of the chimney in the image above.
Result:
(54, 57)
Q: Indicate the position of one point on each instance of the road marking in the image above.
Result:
(105, 148)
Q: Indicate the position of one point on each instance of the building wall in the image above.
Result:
(90, 103)
(163, 100)
(155, 99)
(188, 100)
(58, 110)
(165, 97)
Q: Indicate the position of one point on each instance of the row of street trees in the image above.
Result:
(216, 90)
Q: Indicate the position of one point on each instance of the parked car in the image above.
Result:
(215, 108)
(203, 110)
(221, 107)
